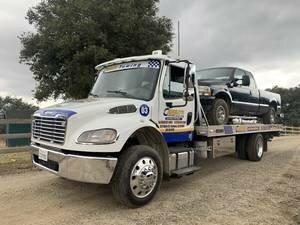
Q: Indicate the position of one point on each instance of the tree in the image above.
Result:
(14, 108)
(15, 104)
(73, 36)
(290, 102)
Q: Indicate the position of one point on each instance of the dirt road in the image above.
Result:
(225, 191)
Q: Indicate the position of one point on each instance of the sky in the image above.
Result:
(259, 36)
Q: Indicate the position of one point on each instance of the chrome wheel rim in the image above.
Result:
(221, 114)
(143, 177)
(259, 147)
(272, 118)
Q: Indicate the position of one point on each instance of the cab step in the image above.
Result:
(185, 171)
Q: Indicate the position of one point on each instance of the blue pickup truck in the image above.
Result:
(230, 91)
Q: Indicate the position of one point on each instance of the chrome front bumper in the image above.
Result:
(76, 167)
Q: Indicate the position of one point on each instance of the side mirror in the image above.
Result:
(96, 76)
(192, 70)
(229, 84)
(246, 80)
(190, 84)
(233, 83)
(187, 96)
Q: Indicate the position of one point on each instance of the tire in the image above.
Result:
(139, 159)
(270, 116)
(255, 147)
(219, 113)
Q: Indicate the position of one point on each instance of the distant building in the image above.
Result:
(17, 114)
(15, 128)
(2, 129)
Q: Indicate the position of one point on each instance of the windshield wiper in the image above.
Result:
(124, 93)
(118, 92)
(94, 95)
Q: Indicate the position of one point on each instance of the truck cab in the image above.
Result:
(141, 122)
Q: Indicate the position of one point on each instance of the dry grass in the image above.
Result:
(2, 143)
(15, 162)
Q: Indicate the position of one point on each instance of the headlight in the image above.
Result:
(204, 90)
(102, 136)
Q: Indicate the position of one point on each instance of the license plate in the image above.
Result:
(43, 154)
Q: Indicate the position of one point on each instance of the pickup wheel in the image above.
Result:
(138, 176)
(219, 113)
(255, 147)
(270, 116)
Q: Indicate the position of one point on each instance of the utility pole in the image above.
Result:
(178, 39)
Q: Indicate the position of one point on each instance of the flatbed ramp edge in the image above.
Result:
(232, 130)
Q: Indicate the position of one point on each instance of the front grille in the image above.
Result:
(49, 129)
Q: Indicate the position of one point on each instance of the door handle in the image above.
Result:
(189, 118)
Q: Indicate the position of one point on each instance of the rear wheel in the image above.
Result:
(219, 113)
(138, 176)
(255, 147)
(240, 146)
(270, 116)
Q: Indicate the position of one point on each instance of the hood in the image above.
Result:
(87, 107)
(211, 82)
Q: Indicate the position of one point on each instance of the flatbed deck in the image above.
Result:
(231, 130)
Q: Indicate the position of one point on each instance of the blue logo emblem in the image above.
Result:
(144, 110)
(55, 113)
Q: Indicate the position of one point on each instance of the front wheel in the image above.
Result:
(219, 113)
(138, 176)
(270, 116)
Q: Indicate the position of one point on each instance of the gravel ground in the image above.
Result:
(225, 191)
(15, 163)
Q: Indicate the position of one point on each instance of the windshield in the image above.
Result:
(215, 74)
(131, 80)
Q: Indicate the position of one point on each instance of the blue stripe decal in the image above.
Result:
(55, 113)
(178, 137)
(228, 129)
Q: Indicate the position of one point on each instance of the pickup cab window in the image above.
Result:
(222, 74)
(252, 81)
(238, 74)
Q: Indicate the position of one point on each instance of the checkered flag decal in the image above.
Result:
(155, 64)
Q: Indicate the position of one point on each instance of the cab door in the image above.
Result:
(241, 94)
(254, 95)
(176, 116)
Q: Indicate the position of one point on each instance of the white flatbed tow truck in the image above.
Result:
(142, 121)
